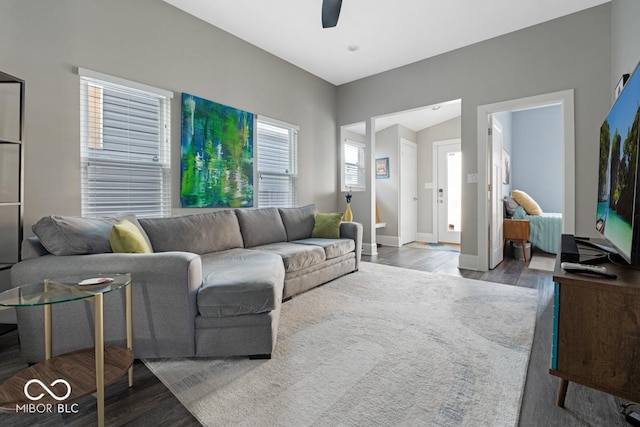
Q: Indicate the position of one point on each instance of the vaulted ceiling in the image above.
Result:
(372, 36)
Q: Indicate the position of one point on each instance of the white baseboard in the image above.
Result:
(425, 237)
(468, 262)
(389, 241)
(369, 249)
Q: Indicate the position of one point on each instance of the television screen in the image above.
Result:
(617, 171)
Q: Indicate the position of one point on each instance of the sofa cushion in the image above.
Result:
(298, 222)
(240, 281)
(71, 235)
(261, 226)
(127, 238)
(295, 257)
(197, 233)
(333, 248)
(327, 225)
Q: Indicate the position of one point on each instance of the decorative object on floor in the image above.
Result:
(348, 215)
(217, 155)
(542, 262)
(449, 247)
(382, 346)
(382, 168)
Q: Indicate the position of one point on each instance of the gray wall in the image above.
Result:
(387, 189)
(154, 43)
(567, 53)
(625, 34)
(536, 158)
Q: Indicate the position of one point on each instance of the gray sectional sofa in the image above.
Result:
(212, 287)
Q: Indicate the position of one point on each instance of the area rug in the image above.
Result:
(435, 246)
(542, 262)
(383, 346)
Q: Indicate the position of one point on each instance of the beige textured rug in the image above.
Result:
(380, 347)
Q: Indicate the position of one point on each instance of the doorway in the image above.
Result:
(566, 101)
(447, 205)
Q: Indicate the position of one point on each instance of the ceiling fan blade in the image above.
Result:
(330, 13)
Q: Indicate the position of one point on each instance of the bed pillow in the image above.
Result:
(510, 206)
(527, 202)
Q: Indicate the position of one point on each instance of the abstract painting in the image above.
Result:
(216, 162)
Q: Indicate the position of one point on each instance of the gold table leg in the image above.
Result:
(129, 321)
(47, 326)
(99, 349)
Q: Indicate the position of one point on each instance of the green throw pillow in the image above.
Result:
(327, 225)
(125, 237)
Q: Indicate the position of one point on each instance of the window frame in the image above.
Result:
(343, 166)
(92, 142)
(294, 131)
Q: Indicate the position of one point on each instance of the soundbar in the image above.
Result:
(569, 249)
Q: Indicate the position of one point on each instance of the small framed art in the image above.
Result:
(382, 168)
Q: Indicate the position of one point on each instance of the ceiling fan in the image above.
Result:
(330, 13)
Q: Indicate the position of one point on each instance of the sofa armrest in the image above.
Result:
(353, 230)
(164, 289)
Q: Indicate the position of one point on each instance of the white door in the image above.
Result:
(495, 193)
(448, 191)
(408, 226)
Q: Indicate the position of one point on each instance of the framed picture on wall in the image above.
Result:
(506, 168)
(382, 168)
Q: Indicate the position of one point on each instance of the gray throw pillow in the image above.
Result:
(261, 226)
(71, 235)
(298, 222)
(197, 233)
(510, 206)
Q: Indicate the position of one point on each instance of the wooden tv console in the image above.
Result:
(596, 332)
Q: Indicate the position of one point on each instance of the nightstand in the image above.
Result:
(516, 230)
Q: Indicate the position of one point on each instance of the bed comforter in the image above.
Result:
(545, 229)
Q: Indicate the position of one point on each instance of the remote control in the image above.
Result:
(573, 267)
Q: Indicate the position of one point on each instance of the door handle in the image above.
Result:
(415, 199)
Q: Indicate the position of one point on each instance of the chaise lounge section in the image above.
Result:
(213, 285)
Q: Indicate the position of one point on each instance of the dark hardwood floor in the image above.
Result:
(149, 402)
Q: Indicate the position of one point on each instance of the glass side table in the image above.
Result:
(47, 385)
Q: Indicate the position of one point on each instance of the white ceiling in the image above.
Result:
(388, 33)
(416, 119)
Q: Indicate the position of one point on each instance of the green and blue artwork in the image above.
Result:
(217, 155)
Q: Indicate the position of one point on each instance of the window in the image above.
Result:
(353, 165)
(277, 150)
(125, 147)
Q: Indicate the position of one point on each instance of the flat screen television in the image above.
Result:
(618, 210)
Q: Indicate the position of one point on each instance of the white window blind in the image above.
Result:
(354, 165)
(277, 145)
(125, 147)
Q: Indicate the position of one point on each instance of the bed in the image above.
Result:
(545, 229)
